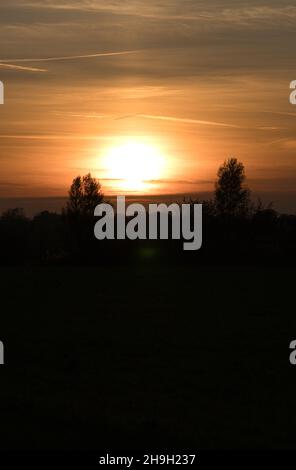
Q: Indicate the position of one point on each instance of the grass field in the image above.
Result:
(141, 357)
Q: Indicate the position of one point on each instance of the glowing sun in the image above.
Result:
(134, 165)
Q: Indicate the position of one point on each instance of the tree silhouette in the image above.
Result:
(231, 197)
(84, 195)
(16, 214)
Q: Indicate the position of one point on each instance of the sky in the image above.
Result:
(163, 91)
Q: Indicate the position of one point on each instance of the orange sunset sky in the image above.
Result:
(150, 97)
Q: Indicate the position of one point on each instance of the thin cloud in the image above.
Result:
(188, 121)
(283, 113)
(178, 181)
(52, 137)
(21, 68)
(82, 115)
(69, 57)
(270, 128)
(216, 14)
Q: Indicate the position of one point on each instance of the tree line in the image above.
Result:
(235, 230)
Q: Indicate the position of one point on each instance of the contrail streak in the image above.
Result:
(68, 57)
(188, 121)
(20, 68)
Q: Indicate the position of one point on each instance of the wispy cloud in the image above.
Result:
(11, 63)
(70, 137)
(21, 68)
(82, 115)
(188, 121)
(68, 57)
(215, 12)
(203, 122)
(179, 181)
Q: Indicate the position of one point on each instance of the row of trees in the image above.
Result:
(231, 198)
(234, 228)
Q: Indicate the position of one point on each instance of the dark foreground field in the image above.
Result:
(141, 357)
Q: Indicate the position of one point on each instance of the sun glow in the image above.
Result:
(134, 166)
